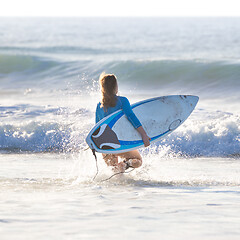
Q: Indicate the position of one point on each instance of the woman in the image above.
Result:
(109, 104)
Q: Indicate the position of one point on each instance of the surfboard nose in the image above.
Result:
(193, 100)
(190, 100)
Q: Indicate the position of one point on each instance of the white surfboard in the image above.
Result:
(159, 117)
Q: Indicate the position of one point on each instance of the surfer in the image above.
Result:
(110, 103)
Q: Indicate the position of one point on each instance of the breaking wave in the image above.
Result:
(218, 135)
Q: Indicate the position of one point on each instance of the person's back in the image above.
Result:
(110, 103)
(101, 112)
(121, 103)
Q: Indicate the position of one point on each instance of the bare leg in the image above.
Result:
(110, 159)
(134, 156)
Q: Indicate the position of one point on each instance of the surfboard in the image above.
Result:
(159, 117)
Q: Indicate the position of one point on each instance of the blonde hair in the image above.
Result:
(108, 83)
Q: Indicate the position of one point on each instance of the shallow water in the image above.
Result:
(53, 196)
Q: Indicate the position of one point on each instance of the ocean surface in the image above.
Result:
(189, 184)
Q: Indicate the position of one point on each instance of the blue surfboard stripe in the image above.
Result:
(125, 144)
(140, 141)
(114, 120)
(143, 102)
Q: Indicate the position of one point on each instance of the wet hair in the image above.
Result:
(108, 83)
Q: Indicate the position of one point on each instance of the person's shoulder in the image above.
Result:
(123, 99)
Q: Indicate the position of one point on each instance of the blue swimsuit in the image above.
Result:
(122, 103)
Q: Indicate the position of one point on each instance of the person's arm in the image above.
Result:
(146, 139)
(129, 113)
(134, 120)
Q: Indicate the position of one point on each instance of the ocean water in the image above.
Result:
(189, 184)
